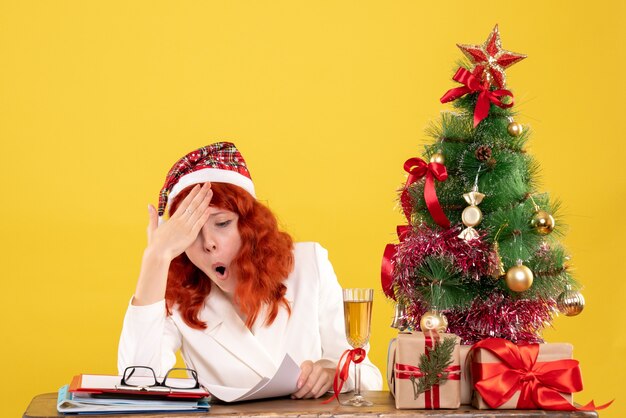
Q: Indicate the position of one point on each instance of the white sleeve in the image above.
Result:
(149, 338)
(332, 328)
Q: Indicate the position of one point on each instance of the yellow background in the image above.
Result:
(326, 100)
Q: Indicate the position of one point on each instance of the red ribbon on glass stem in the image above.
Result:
(539, 383)
(355, 355)
(473, 84)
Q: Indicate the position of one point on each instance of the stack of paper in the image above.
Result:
(84, 403)
(89, 394)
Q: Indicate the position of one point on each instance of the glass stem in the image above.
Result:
(357, 379)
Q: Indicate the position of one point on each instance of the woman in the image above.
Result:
(221, 283)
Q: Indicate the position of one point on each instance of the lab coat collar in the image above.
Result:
(273, 337)
(226, 327)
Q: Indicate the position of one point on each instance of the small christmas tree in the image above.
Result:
(480, 254)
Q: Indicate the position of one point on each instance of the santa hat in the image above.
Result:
(219, 163)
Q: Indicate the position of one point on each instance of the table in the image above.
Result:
(44, 406)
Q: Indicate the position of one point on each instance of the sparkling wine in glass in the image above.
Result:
(357, 311)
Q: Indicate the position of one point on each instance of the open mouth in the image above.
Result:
(221, 271)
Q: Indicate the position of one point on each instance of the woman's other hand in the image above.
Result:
(315, 379)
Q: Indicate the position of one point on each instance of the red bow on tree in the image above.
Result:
(473, 84)
(418, 168)
(386, 269)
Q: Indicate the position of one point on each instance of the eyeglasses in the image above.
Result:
(144, 378)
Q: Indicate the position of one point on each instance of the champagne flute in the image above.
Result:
(357, 312)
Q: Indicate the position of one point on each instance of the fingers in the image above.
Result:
(314, 381)
(323, 384)
(186, 201)
(201, 215)
(305, 371)
(192, 200)
(199, 203)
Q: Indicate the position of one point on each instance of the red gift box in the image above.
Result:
(533, 376)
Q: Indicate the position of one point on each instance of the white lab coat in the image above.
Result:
(227, 352)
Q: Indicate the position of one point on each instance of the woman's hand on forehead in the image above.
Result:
(175, 235)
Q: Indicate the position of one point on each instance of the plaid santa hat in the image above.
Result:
(219, 163)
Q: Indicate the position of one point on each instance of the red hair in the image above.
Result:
(264, 261)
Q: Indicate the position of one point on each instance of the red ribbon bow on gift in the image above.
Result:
(472, 84)
(539, 382)
(355, 355)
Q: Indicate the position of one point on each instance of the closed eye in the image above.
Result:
(223, 224)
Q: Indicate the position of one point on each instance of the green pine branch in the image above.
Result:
(432, 365)
(440, 284)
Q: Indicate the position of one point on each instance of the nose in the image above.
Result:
(208, 242)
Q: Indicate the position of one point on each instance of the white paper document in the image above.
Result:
(282, 383)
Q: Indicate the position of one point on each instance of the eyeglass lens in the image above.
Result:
(177, 378)
(139, 376)
(181, 378)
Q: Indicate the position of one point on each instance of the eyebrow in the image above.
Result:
(221, 212)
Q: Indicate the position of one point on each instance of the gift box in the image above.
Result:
(532, 376)
(405, 376)
(466, 377)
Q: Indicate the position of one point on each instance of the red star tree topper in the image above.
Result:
(491, 59)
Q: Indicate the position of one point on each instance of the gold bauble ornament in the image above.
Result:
(543, 222)
(515, 129)
(519, 278)
(437, 158)
(570, 302)
(433, 321)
